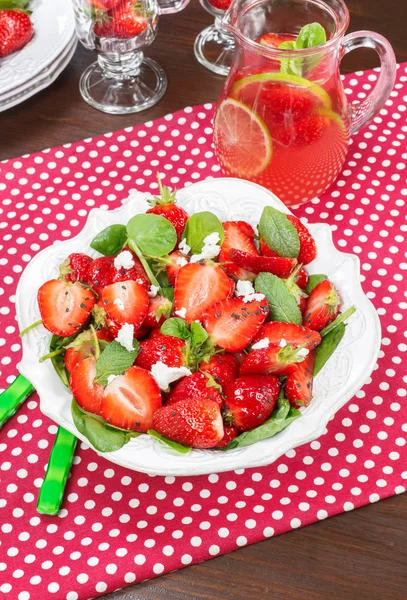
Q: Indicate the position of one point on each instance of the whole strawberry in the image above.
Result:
(16, 31)
(298, 385)
(196, 386)
(165, 206)
(76, 267)
(250, 401)
(322, 306)
(223, 368)
(192, 422)
(161, 348)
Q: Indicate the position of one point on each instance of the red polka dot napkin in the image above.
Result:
(118, 527)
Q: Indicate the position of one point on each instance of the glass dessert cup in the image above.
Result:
(283, 120)
(214, 47)
(122, 80)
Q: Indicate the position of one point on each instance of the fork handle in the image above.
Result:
(13, 397)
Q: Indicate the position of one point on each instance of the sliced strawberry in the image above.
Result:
(64, 306)
(105, 4)
(265, 250)
(198, 287)
(273, 360)
(126, 20)
(322, 307)
(126, 302)
(74, 355)
(230, 433)
(161, 348)
(263, 264)
(273, 40)
(220, 4)
(224, 368)
(176, 260)
(301, 278)
(159, 309)
(308, 248)
(298, 387)
(196, 423)
(236, 236)
(86, 391)
(136, 272)
(288, 333)
(234, 323)
(75, 267)
(195, 386)
(130, 400)
(250, 401)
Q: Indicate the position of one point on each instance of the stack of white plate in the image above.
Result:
(39, 63)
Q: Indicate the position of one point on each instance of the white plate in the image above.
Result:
(230, 199)
(54, 27)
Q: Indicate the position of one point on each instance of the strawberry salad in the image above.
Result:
(200, 333)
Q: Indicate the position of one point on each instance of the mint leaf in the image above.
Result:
(114, 360)
(110, 241)
(290, 66)
(279, 233)
(198, 227)
(327, 347)
(176, 327)
(199, 335)
(283, 306)
(174, 445)
(311, 35)
(313, 281)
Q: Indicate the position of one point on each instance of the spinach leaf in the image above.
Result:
(327, 347)
(102, 436)
(153, 235)
(56, 346)
(198, 227)
(313, 281)
(279, 233)
(339, 319)
(174, 445)
(114, 360)
(110, 241)
(283, 306)
(176, 327)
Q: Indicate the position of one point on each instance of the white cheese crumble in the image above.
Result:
(264, 343)
(283, 343)
(125, 336)
(111, 378)
(303, 352)
(165, 375)
(182, 312)
(245, 290)
(153, 291)
(210, 249)
(181, 261)
(124, 259)
(183, 246)
(119, 303)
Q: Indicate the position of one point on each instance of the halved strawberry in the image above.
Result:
(161, 348)
(322, 307)
(195, 386)
(265, 250)
(273, 360)
(196, 423)
(263, 264)
(236, 236)
(273, 40)
(308, 248)
(64, 306)
(159, 309)
(298, 387)
(75, 267)
(126, 302)
(175, 261)
(198, 287)
(288, 333)
(130, 400)
(301, 278)
(250, 401)
(234, 323)
(223, 368)
(86, 391)
(74, 355)
(230, 433)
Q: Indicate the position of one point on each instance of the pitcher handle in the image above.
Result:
(366, 110)
(170, 7)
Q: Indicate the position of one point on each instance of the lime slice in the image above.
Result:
(242, 140)
(281, 78)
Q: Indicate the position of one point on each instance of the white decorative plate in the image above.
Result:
(230, 199)
(54, 28)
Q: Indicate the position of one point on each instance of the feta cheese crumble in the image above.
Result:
(210, 249)
(182, 312)
(183, 246)
(124, 260)
(181, 261)
(246, 290)
(119, 303)
(153, 291)
(264, 343)
(125, 336)
(111, 378)
(283, 343)
(165, 375)
(303, 352)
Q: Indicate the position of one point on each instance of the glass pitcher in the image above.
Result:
(283, 119)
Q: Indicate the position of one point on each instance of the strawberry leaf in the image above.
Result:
(176, 327)
(283, 306)
(110, 241)
(174, 445)
(327, 347)
(114, 360)
(279, 233)
(313, 281)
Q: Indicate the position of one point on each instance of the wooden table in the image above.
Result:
(356, 556)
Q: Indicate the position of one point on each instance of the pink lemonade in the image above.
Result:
(286, 132)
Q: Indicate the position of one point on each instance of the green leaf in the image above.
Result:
(279, 233)
(290, 66)
(339, 319)
(168, 292)
(174, 445)
(110, 241)
(311, 35)
(154, 235)
(327, 347)
(283, 306)
(176, 327)
(114, 360)
(281, 417)
(198, 227)
(102, 436)
(57, 344)
(313, 281)
(199, 335)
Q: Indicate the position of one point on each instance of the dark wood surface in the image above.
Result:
(355, 556)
